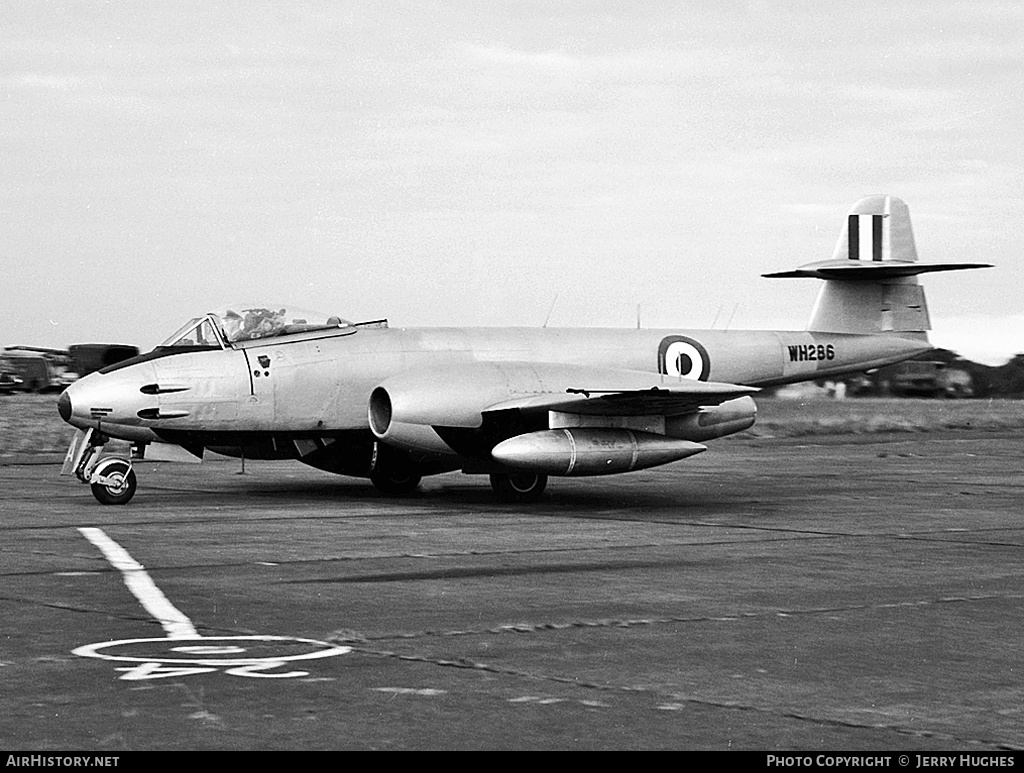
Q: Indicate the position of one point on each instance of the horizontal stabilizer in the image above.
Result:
(872, 272)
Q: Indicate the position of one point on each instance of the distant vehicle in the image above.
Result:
(40, 370)
(957, 382)
(926, 378)
(88, 358)
(916, 378)
(10, 381)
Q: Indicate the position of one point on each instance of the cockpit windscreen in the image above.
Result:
(249, 322)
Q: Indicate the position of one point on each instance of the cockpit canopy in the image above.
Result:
(248, 322)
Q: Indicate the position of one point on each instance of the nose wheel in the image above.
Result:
(111, 478)
(113, 482)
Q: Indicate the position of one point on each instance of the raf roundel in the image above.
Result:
(683, 357)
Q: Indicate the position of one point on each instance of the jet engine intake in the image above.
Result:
(409, 436)
(404, 409)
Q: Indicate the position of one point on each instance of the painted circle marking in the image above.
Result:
(261, 649)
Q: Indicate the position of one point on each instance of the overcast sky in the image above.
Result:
(494, 163)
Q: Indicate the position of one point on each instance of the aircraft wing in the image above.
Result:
(460, 395)
(625, 393)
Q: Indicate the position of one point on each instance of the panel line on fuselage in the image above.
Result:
(248, 370)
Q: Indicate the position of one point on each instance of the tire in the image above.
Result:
(123, 488)
(395, 482)
(519, 487)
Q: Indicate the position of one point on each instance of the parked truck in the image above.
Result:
(925, 378)
(40, 370)
(90, 357)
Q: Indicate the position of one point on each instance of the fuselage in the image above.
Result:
(319, 383)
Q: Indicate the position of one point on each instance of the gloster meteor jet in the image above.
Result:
(517, 404)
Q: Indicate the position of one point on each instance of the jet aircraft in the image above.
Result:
(517, 404)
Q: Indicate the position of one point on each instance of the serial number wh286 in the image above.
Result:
(805, 352)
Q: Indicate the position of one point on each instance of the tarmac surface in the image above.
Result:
(853, 592)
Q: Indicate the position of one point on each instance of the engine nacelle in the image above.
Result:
(404, 409)
(409, 436)
(713, 421)
(591, 451)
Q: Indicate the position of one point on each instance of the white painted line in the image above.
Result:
(142, 586)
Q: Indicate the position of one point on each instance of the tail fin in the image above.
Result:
(871, 281)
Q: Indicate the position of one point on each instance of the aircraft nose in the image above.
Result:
(64, 406)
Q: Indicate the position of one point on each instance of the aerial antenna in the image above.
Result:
(638, 316)
(735, 306)
(717, 314)
(553, 302)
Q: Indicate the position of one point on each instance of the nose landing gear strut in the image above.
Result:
(111, 478)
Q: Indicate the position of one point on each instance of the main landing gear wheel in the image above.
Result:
(115, 484)
(519, 487)
(395, 482)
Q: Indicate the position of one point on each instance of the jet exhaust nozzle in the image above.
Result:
(713, 421)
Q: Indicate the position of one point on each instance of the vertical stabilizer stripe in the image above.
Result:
(876, 237)
(854, 237)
